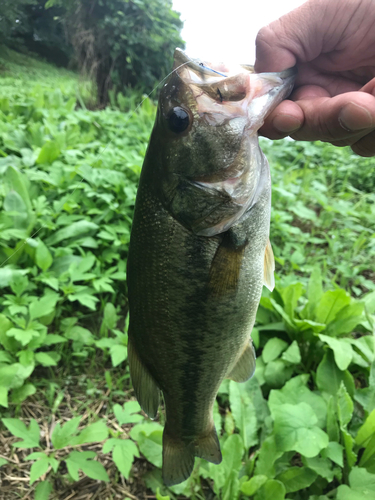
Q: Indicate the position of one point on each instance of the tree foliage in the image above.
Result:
(122, 42)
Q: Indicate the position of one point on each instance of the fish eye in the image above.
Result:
(178, 120)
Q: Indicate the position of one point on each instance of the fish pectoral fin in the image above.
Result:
(145, 387)
(269, 267)
(178, 455)
(245, 366)
(225, 268)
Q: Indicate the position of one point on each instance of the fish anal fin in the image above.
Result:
(269, 267)
(245, 366)
(225, 269)
(178, 454)
(145, 387)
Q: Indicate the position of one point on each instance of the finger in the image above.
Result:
(284, 120)
(365, 146)
(288, 117)
(345, 118)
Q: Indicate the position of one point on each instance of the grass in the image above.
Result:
(68, 179)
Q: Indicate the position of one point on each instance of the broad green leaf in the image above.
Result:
(334, 452)
(123, 455)
(330, 304)
(17, 210)
(61, 435)
(296, 429)
(291, 295)
(277, 372)
(244, 414)
(273, 348)
(342, 351)
(128, 414)
(46, 359)
(43, 306)
(315, 288)
(119, 353)
(250, 487)
(297, 478)
(72, 231)
(329, 376)
(367, 430)
(332, 424)
(20, 184)
(29, 436)
(24, 337)
(151, 446)
(3, 461)
(43, 257)
(345, 406)
(346, 319)
(292, 354)
(91, 434)
(83, 460)
(271, 490)
(20, 394)
(348, 441)
(294, 392)
(322, 466)
(362, 486)
(267, 458)
(369, 452)
(49, 153)
(39, 468)
(43, 490)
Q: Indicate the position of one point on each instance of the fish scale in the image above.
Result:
(196, 263)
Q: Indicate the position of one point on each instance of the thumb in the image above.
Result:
(295, 37)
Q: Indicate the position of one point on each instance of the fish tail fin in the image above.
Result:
(178, 459)
(208, 447)
(178, 455)
(145, 387)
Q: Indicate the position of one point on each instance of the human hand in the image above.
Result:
(332, 42)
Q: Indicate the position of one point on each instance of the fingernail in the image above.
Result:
(354, 117)
(286, 123)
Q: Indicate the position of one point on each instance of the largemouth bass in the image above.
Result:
(199, 250)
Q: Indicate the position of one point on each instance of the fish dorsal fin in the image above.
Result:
(145, 387)
(245, 366)
(269, 267)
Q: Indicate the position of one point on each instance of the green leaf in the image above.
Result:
(342, 351)
(297, 478)
(292, 354)
(250, 487)
(277, 372)
(290, 296)
(123, 455)
(315, 288)
(19, 395)
(244, 414)
(119, 353)
(91, 434)
(295, 429)
(367, 430)
(330, 304)
(43, 306)
(74, 230)
(128, 414)
(20, 184)
(271, 490)
(362, 486)
(322, 466)
(29, 436)
(39, 468)
(273, 348)
(46, 359)
(3, 461)
(24, 337)
(43, 257)
(151, 446)
(61, 435)
(83, 460)
(348, 441)
(49, 153)
(334, 452)
(329, 376)
(345, 406)
(267, 457)
(43, 490)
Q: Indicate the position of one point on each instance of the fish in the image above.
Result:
(199, 250)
